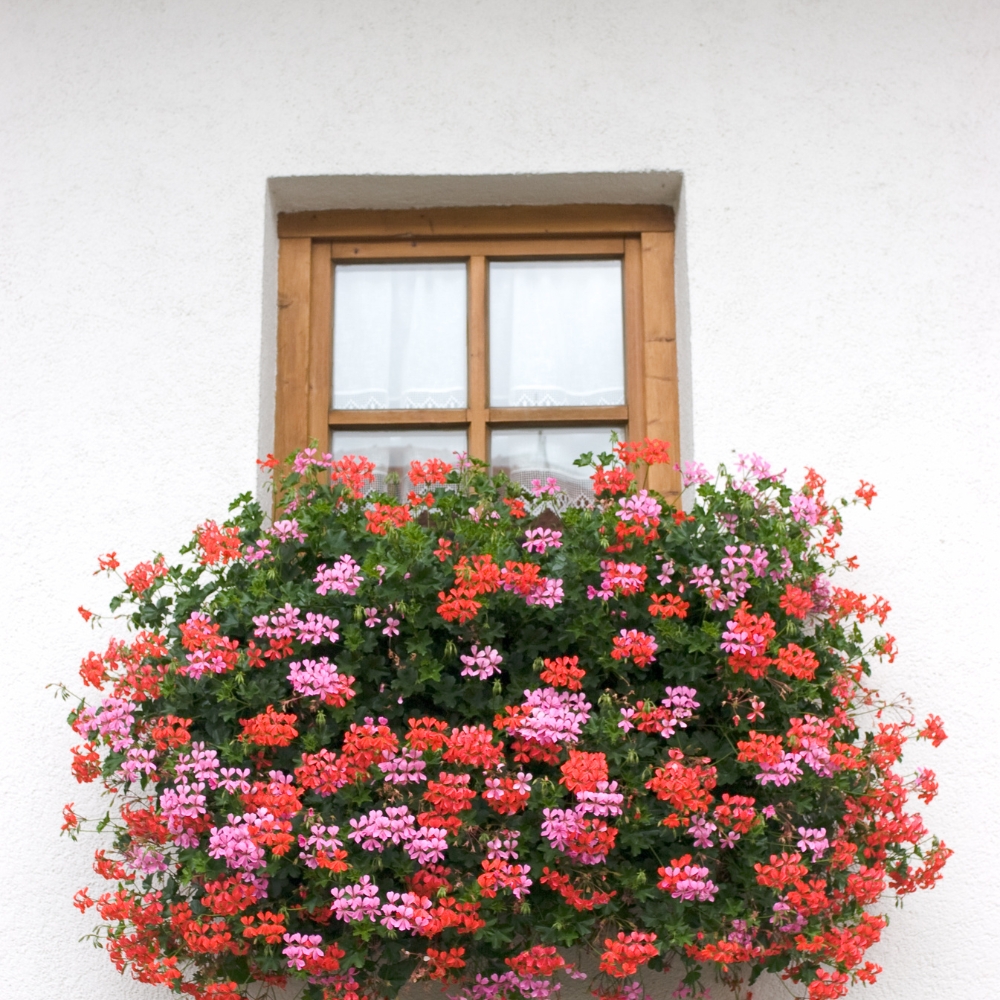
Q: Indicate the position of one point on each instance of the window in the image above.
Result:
(522, 335)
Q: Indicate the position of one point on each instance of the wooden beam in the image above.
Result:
(580, 416)
(478, 367)
(660, 375)
(347, 419)
(291, 424)
(478, 222)
(507, 416)
(601, 246)
(320, 346)
(635, 386)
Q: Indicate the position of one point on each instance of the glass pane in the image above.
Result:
(556, 333)
(538, 454)
(392, 451)
(399, 339)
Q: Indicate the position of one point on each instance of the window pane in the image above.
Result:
(399, 336)
(392, 451)
(556, 333)
(537, 454)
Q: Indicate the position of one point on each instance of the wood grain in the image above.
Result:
(660, 338)
(346, 419)
(480, 221)
(320, 345)
(478, 368)
(508, 416)
(291, 423)
(444, 249)
(579, 416)
(635, 386)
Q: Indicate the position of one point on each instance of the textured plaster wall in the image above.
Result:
(839, 300)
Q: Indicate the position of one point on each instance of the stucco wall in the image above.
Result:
(839, 302)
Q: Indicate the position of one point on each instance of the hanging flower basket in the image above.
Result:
(477, 735)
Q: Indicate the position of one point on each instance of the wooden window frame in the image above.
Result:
(642, 236)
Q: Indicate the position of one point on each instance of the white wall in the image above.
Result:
(841, 211)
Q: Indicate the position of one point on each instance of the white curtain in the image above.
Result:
(399, 336)
(556, 333)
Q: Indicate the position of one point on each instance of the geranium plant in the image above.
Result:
(478, 734)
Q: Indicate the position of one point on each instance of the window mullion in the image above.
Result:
(319, 387)
(396, 419)
(478, 371)
(568, 416)
(635, 389)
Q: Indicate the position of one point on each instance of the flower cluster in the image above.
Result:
(371, 742)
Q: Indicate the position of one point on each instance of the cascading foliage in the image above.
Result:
(477, 734)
